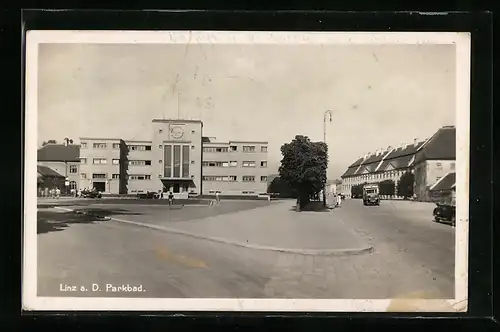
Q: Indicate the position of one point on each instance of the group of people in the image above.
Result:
(52, 193)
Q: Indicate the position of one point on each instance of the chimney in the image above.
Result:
(415, 141)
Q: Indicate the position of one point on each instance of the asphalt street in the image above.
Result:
(411, 255)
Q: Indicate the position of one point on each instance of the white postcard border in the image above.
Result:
(29, 288)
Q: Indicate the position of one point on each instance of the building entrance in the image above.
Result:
(100, 186)
(176, 188)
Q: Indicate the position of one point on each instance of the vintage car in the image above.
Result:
(444, 212)
(148, 195)
(91, 194)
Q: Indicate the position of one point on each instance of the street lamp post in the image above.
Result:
(327, 117)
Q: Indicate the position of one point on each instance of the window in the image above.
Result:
(99, 145)
(225, 164)
(139, 147)
(167, 157)
(207, 149)
(249, 164)
(263, 179)
(116, 161)
(116, 145)
(139, 162)
(73, 169)
(101, 161)
(177, 161)
(83, 176)
(99, 176)
(185, 161)
(248, 192)
(72, 185)
(115, 176)
(234, 148)
(233, 164)
(160, 131)
(192, 131)
(263, 163)
(215, 164)
(263, 149)
(192, 162)
(249, 148)
(219, 178)
(248, 178)
(83, 145)
(83, 160)
(139, 177)
(233, 178)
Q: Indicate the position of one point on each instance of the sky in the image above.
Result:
(379, 95)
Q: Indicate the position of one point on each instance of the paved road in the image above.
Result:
(412, 254)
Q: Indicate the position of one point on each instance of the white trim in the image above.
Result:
(439, 181)
(412, 160)
(383, 159)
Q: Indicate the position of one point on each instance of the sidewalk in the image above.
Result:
(273, 227)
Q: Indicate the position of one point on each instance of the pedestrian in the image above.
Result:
(217, 197)
(58, 193)
(339, 200)
(170, 198)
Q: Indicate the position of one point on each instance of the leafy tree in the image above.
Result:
(387, 187)
(357, 190)
(281, 187)
(405, 185)
(303, 166)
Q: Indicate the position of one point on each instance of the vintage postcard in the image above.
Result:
(246, 171)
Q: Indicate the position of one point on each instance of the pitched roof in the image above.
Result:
(59, 152)
(357, 162)
(447, 182)
(47, 171)
(441, 146)
(349, 172)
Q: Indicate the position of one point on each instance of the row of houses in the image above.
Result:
(430, 160)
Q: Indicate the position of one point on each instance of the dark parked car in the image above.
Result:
(91, 194)
(444, 212)
(148, 195)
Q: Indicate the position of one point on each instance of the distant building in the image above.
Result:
(434, 160)
(178, 159)
(428, 159)
(444, 189)
(62, 159)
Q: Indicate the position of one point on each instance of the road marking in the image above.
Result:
(181, 259)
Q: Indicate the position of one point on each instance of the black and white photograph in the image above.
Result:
(246, 171)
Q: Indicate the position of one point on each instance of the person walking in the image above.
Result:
(170, 198)
(217, 197)
(339, 200)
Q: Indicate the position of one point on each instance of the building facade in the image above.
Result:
(62, 159)
(178, 159)
(428, 160)
(234, 168)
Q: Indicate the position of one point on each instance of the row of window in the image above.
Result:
(232, 164)
(104, 176)
(233, 178)
(233, 148)
(104, 161)
(116, 146)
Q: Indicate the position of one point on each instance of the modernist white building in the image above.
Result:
(178, 159)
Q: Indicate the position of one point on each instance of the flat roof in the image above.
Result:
(255, 142)
(133, 141)
(100, 138)
(177, 120)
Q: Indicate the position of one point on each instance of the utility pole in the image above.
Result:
(327, 116)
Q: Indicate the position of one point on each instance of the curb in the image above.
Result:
(306, 252)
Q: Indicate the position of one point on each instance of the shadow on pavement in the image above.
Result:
(51, 221)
